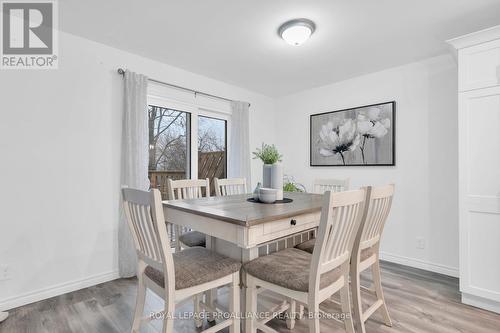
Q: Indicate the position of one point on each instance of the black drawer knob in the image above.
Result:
(293, 222)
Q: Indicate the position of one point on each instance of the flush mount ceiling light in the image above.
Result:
(296, 32)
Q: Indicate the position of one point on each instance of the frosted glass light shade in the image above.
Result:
(296, 32)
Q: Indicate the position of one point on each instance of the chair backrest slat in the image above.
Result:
(320, 186)
(341, 216)
(188, 189)
(339, 248)
(146, 221)
(230, 186)
(136, 213)
(379, 205)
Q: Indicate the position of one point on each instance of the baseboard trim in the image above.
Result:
(420, 264)
(480, 302)
(56, 290)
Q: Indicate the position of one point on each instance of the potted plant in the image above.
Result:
(272, 171)
(290, 185)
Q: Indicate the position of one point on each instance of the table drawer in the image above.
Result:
(290, 223)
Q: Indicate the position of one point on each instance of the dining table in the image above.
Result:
(244, 229)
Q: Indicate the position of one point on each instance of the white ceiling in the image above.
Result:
(236, 41)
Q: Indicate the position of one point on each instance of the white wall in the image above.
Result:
(59, 141)
(426, 175)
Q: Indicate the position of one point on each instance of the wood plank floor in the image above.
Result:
(418, 301)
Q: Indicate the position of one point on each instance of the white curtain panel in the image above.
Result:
(239, 145)
(134, 161)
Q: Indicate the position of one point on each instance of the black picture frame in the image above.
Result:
(353, 109)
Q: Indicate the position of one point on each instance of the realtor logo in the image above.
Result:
(29, 35)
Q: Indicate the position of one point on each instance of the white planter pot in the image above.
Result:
(272, 177)
(266, 175)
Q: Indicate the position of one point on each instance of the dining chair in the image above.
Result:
(224, 187)
(230, 186)
(174, 277)
(188, 189)
(366, 254)
(320, 186)
(310, 279)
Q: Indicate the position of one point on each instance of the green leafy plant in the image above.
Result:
(289, 185)
(268, 154)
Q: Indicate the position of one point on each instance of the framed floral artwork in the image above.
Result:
(362, 136)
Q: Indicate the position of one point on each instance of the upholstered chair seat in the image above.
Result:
(193, 238)
(289, 268)
(195, 266)
(308, 246)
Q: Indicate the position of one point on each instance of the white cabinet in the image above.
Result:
(479, 194)
(479, 167)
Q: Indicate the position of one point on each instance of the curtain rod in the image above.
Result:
(121, 71)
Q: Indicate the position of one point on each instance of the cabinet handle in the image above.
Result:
(293, 222)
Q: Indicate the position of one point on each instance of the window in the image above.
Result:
(169, 146)
(212, 149)
(188, 136)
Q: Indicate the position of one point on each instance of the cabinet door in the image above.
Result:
(479, 195)
(479, 66)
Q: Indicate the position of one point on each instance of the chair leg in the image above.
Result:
(141, 299)
(211, 296)
(356, 297)
(168, 321)
(313, 308)
(291, 312)
(345, 302)
(234, 303)
(300, 314)
(377, 282)
(197, 310)
(177, 241)
(251, 305)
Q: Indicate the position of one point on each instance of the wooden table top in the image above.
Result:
(237, 210)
